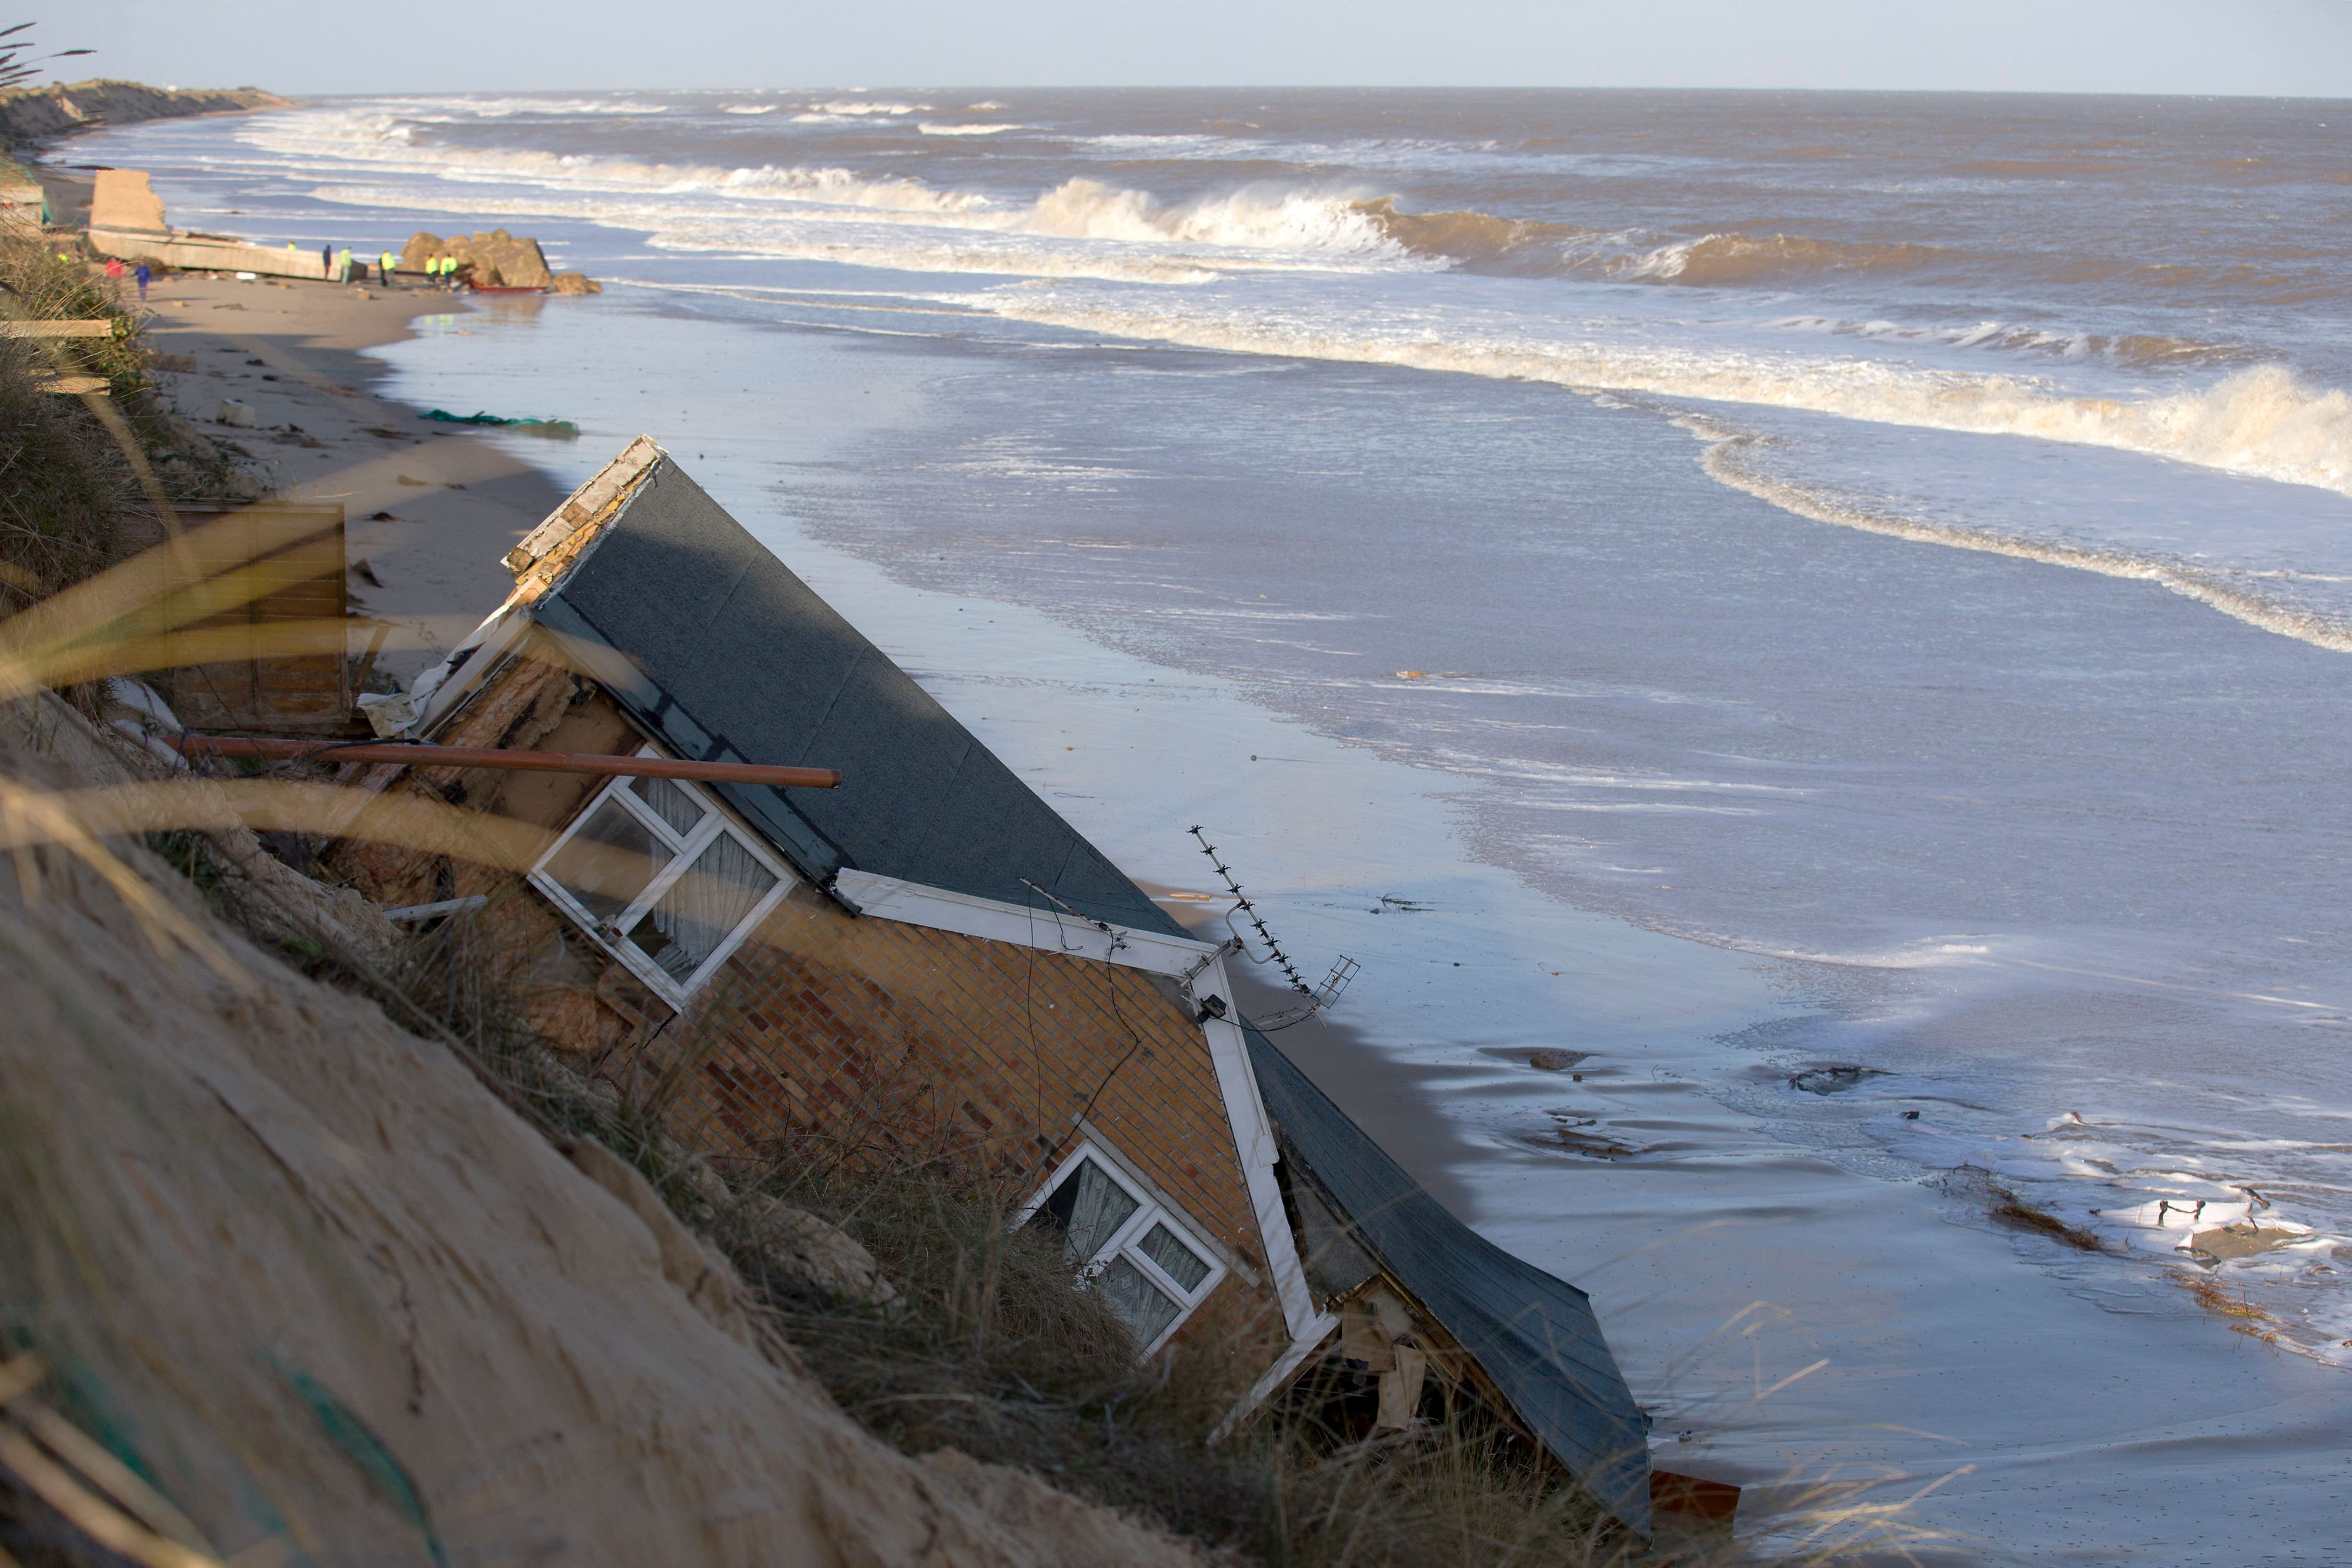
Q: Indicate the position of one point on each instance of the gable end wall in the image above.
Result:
(830, 1025)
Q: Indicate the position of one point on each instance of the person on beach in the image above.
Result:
(144, 274)
(114, 267)
(326, 261)
(387, 266)
(343, 265)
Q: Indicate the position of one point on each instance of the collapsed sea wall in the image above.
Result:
(31, 114)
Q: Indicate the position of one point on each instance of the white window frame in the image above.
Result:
(685, 849)
(1125, 1241)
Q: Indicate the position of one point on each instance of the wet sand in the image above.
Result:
(1388, 1097)
(429, 507)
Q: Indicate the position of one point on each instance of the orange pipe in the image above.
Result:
(602, 764)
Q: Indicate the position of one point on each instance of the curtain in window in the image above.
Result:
(1184, 1266)
(1144, 1306)
(608, 862)
(670, 803)
(703, 907)
(1102, 1205)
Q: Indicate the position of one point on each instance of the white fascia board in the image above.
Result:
(437, 692)
(1201, 964)
(1286, 1366)
(1253, 1142)
(1047, 930)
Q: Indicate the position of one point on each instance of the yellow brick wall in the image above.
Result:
(826, 1021)
(835, 1029)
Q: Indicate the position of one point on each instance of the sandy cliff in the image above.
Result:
(308, 1274)
(30, 114)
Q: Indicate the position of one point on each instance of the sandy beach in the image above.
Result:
(429, 506)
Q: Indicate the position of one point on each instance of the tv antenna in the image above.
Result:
(1317, 999)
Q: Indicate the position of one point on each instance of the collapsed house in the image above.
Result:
(931, 952)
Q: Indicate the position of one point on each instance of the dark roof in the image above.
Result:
(1534, 1335)
(743, 662)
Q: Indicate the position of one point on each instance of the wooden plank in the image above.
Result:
(71, 386)
(100, 329)
(287, 562)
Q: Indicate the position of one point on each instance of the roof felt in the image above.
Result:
(743, 662)
(1533, 1334)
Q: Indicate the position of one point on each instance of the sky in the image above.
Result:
(2280, 47)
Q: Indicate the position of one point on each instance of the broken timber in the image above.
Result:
(99, 328)
(71, 386)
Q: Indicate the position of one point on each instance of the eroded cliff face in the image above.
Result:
(328, 1292)
(30, 114)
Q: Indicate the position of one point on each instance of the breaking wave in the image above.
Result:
(2264, 422)
(444, 110)
(1254, 217)
(1478, 240)
(1728, 459)
(1253, 227)
(2128, 350)
(1485, 242)
(1732, 260)
(863, 106)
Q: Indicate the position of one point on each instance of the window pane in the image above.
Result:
(1144, 1306)
(1089, 1207)
(702, 908)
(607, 862)
(1184, 1266)
(670, 803)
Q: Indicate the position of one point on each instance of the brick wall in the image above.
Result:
(826, 1021)
(854, 1032)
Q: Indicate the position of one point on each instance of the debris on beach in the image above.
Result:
(555, 429)
(1832, 1080)
(493, 259)
(2245, 1239)
(2004, 1205)
(1567, 1133)
(1556, 1060)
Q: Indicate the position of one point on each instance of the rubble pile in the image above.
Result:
(495, 259)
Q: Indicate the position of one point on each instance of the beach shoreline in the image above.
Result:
(1917, 1295)
(429, 506)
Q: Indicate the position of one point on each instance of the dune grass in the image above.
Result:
(81, 476)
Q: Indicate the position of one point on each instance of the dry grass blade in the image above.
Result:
(115, 1477)
(102, 407)
(29, 817)
(20, 1378)
(91, 1514)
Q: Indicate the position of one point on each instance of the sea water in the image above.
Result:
(1739, 585)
